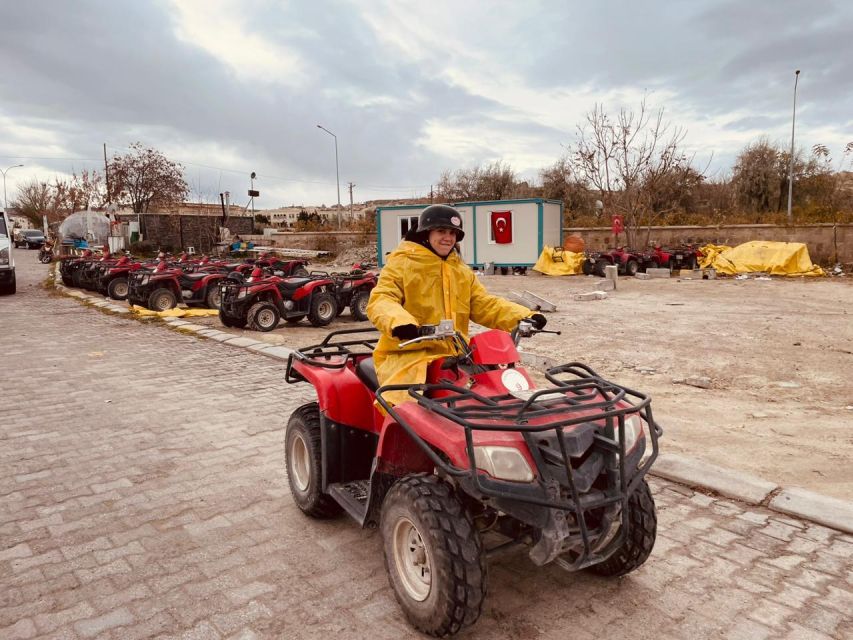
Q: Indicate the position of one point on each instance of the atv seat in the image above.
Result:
(193, 277)
(290, 285)
(366, 372)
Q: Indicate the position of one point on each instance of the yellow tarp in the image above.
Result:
(775, 258)
(570, 265)
(174, 313)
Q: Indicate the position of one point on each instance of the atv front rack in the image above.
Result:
(333, 352)
(575, 432)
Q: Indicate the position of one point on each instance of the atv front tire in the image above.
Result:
(117, 289)
(641, 536)
(433, 554)
(263, 316)
(162, 300)
(358, 306)
(324, 309)
(230, 321)
(304, 465)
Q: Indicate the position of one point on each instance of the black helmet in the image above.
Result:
(441, 216)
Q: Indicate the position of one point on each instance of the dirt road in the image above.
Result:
(779, 355)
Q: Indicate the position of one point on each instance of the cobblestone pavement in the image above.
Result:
(142, 494)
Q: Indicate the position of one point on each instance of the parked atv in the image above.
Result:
(352, 290)
(69, 265)
(164, 287)
(113, 280)
(684, 257)
(478, 460)
(261, 300)
(628, 261)
(46, 252)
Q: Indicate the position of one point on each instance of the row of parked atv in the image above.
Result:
(631, 261)
(253, 293)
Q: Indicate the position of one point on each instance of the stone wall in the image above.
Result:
(334, 241)
(824, 241)
(827, 243)
(176, 232)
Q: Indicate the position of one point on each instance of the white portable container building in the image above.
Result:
(504, 233)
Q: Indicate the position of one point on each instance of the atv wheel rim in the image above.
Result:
(300, 468)
(265, 318)
(162, 303)
(216, 299)
(362, 305)
(412, 560)
(325, 310)
(121, 290)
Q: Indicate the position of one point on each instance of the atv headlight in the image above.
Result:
(242, 294)
(633, 431)
(504, 463)
(4, 255)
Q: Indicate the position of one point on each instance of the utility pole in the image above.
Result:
(791, 164)
(430, 194)
(351, 185)
(107, 174)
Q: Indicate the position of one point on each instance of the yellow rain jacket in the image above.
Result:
(418, 287)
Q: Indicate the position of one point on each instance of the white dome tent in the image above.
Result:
(91, 226)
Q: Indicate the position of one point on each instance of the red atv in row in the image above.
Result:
(477, 461)
(627, 261)
(261, 301)
(686, 256)
(164, 287)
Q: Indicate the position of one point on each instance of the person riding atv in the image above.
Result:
(423, 282)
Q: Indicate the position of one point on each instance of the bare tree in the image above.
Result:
(34, 199)
(559, 182)
(145, 177)
(630, 160)
(495, 181)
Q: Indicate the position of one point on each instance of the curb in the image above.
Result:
(696, 474)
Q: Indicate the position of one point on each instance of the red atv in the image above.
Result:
(684, 257)
(478, 460)
(627, 261)
(352, 290)
(70, 265)
(113, 278)
(164, 287)
(260, 301)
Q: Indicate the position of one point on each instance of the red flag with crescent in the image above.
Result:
(502, 226)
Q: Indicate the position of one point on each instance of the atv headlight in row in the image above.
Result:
(633, 431)
(4, 255)
(503, 463)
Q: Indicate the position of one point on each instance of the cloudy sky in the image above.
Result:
(410, 88)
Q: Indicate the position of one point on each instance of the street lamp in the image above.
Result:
(791, 164)
(5, 203)
(337, 172)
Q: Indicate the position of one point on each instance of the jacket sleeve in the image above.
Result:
(493, 311)
(385, 307)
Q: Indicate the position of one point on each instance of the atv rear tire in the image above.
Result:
(324, 309)
(162, 300)
(304, 465)
(641, 536)
(598, 269)
(230, 321)
(358, 306)
(117, 289)
(586, 267)
(213, 297)
(631, 268)
(263, 316)
(300, 272)
(433, 555)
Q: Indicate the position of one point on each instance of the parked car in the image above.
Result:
(30, 239)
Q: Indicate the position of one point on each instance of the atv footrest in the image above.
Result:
(352, 496)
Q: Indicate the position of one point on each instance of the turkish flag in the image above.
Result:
(617, 225)
(502, 226)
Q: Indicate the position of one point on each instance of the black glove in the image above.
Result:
(406, 332)
(539, 321)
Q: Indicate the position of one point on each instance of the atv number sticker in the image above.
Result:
(514, 380)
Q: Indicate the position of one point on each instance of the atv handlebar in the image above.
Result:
(445, 329)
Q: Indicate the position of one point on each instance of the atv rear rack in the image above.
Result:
(332, 353)
(575, 431)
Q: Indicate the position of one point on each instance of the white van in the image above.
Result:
(7, 260)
